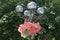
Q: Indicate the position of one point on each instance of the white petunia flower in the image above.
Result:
(27, 13)
(31, 5)
(19, 8)
(40, 10)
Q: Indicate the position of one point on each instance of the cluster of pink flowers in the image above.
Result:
(32, 27)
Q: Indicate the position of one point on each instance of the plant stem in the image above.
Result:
(30, 37)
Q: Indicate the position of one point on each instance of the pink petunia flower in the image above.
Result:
(35, 29)
(32, 27)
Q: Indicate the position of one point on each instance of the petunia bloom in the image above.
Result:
(32, 27)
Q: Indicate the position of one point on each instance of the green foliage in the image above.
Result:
(9, 21)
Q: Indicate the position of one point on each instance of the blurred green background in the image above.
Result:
(9, 21)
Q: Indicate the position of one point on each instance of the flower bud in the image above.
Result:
(31, 5)
(19, 8)
(40, 10)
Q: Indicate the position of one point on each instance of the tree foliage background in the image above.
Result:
(9, 21)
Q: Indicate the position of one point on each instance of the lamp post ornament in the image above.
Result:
(28, 25)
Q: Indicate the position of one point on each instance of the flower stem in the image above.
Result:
(30, 37)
